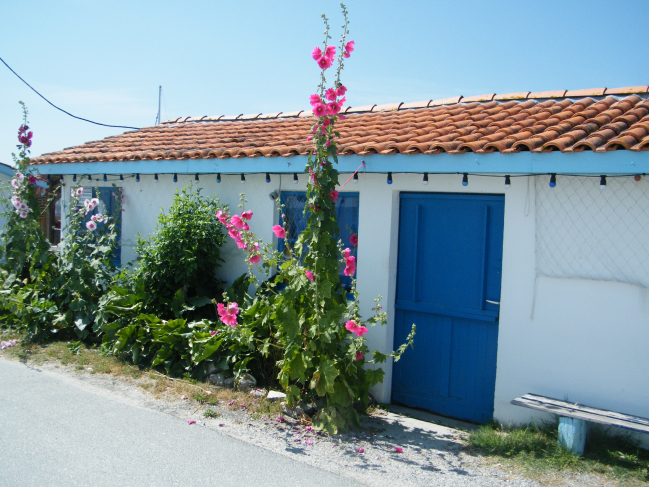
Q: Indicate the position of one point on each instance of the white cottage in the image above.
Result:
(512, 229)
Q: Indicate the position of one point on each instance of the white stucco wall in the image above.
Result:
(565, 338)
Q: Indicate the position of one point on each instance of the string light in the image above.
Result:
(196, 177)
(137, 178)
(602, 182)
(89, 177)
(218, 177)
(155, 178)
(425, 180)
(508, 182)
(62, 180)
(637, 177)
(553, 180)
(295, 180)
(175, 177)
(105, 178)
(74, 178)
(465, 179)
(243, 179)
(49, 178)
(389, 181)
(267, 177)
(355, 178)
(121, 177)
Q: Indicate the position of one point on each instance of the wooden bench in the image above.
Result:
(574, 419)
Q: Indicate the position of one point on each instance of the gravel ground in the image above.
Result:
(431, 454)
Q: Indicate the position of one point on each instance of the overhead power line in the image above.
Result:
(61, 109)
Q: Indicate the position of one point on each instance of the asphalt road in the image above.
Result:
(54, 433)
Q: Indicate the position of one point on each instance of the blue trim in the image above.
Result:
(6, 170)
(587, 162)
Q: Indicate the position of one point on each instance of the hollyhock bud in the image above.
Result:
(309, 275)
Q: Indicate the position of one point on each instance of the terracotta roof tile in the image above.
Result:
(548, 94)
(627, 90)
(541, 122)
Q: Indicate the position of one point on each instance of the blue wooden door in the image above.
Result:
(448, 284)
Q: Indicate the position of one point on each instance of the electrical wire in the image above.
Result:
(61, 109)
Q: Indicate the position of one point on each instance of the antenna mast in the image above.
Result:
(157, 119)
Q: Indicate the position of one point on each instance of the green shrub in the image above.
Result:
(178, 264)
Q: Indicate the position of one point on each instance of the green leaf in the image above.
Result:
(288, 323)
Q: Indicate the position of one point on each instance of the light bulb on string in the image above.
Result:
(196, 177)
(553, 180)
(121, 177)
(465, 179)
(355, 178)
(155, 178)
(267, 177)
(295, 179)
(243, 179)
(89, 177)
(218, 177)
(425, 180)
(508, 182)
(175, 177)
(389, 181)
(602, 182)
(137, 178)
(74, 178)
(105, 178)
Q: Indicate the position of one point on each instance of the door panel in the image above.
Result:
(450, 261)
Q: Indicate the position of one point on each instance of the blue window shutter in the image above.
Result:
(107, 206)
(346, 209)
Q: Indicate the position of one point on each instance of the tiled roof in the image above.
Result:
(568, 121)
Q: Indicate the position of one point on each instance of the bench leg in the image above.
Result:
(572, 434)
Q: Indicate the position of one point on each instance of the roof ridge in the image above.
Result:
(389, 107)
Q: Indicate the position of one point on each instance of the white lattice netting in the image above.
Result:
(584, 231)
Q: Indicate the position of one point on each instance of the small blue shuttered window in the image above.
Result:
(296, 220)
(108, 205)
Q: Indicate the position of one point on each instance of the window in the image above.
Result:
(108, 204)
(296, 220)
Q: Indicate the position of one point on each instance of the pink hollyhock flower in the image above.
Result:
(330, 52)
(315, 129)
(322, 131)
(349, 270)
(317, 53)
(309, 274)
(23, 206)
(360, 331)
(80, 192)
(20, 177)
(236, 221)
(228, 314)
(331, 94)
(334, 195)
(15, 183)
(235, 234)
(23, 213)
(314, 100)
(341, 90)
(360, 450)
(15, 200)
(222, 216)
(359, 355)
(325, 62)
(326, 122)
(353, 239)
(94, 202)
(246, 227)
(240, 243)
(98, 218)
(254, 259)
(246, 215)
(279, 231)
(92, 226)
(342, 117)
(351, 326)
(398, 449)
(309, 139)
(349, 48)
(319, 109)
(347, 252)
(333, 108)
(32, 179)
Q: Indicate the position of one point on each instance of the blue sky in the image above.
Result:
(104, 60)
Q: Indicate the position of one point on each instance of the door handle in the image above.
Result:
(493, 302)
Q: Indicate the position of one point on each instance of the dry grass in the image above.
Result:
(83, 359)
